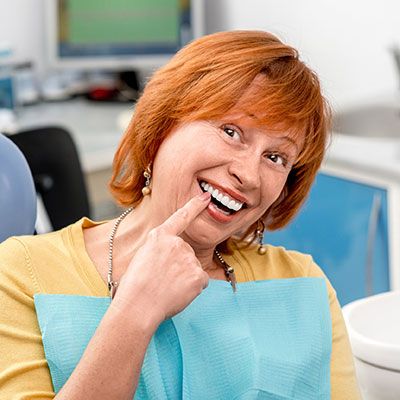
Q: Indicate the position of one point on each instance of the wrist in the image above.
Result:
(135, 314)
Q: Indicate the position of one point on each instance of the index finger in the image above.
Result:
(182, 217)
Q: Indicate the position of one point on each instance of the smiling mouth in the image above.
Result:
(225, 203)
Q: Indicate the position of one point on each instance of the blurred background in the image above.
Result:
(348, 44)
(71, 70)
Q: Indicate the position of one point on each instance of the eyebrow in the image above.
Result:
(289, 139)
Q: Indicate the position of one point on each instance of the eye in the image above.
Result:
(277, 159)
(232, 131)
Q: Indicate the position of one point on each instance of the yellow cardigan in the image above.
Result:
(57, 263)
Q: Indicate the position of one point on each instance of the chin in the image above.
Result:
(203, 235)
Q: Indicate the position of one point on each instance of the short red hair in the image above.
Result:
(204, 80)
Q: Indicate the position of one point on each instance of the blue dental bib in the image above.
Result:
(271, 340)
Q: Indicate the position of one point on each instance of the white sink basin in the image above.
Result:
(373, 324)
(372, 120)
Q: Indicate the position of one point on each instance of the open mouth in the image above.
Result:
(223, 202)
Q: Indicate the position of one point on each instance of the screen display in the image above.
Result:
(89, 28)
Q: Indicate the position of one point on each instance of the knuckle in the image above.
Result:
(188, 248)
(204, 279)
(199, 275)
(207, 282)
(154, 233)
(188, 259)
(176, 242)
(183, 213)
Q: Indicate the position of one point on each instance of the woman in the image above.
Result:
(226, 139)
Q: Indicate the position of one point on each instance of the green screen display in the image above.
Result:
(121, 21)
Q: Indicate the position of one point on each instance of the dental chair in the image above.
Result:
(17, 192)
(53, 159)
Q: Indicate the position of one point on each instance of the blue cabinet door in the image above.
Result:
(344, 226)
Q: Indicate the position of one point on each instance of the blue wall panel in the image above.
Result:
(333, 228)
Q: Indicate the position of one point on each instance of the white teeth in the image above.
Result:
(232, 205)
(224, 199)
(220, 209)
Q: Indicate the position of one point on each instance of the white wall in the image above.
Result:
(22, 26)
(346, 42)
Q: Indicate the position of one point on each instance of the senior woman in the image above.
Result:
(178, 297)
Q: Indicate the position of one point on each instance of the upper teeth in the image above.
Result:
(223, 198)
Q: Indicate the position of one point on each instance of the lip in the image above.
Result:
(232, 193)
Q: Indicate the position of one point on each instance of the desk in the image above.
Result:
(96, 127)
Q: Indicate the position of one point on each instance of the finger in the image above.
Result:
(206, 280)
(182, 218)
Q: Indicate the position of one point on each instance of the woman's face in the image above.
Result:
(243, 165)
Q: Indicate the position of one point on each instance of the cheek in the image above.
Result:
(272, 187)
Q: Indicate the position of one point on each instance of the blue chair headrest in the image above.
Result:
(17, 192)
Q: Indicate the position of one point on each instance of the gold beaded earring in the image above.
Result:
(260, 237)
(147, 174)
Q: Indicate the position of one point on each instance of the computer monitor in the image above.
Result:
(119, 34)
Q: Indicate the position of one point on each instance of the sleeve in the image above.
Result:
(343, 377)
(24, 372)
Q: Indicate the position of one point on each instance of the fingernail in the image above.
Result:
(205, 196)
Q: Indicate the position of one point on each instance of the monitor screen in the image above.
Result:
(119, 33)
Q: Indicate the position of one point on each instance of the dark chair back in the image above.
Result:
(56, 169)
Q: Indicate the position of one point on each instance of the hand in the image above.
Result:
(165, 276)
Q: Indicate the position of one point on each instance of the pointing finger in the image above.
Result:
(182, 218)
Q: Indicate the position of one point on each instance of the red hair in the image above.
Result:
(204, 80)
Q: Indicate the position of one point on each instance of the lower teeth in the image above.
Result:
(221, 211)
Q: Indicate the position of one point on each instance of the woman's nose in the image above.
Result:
(246, 171)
